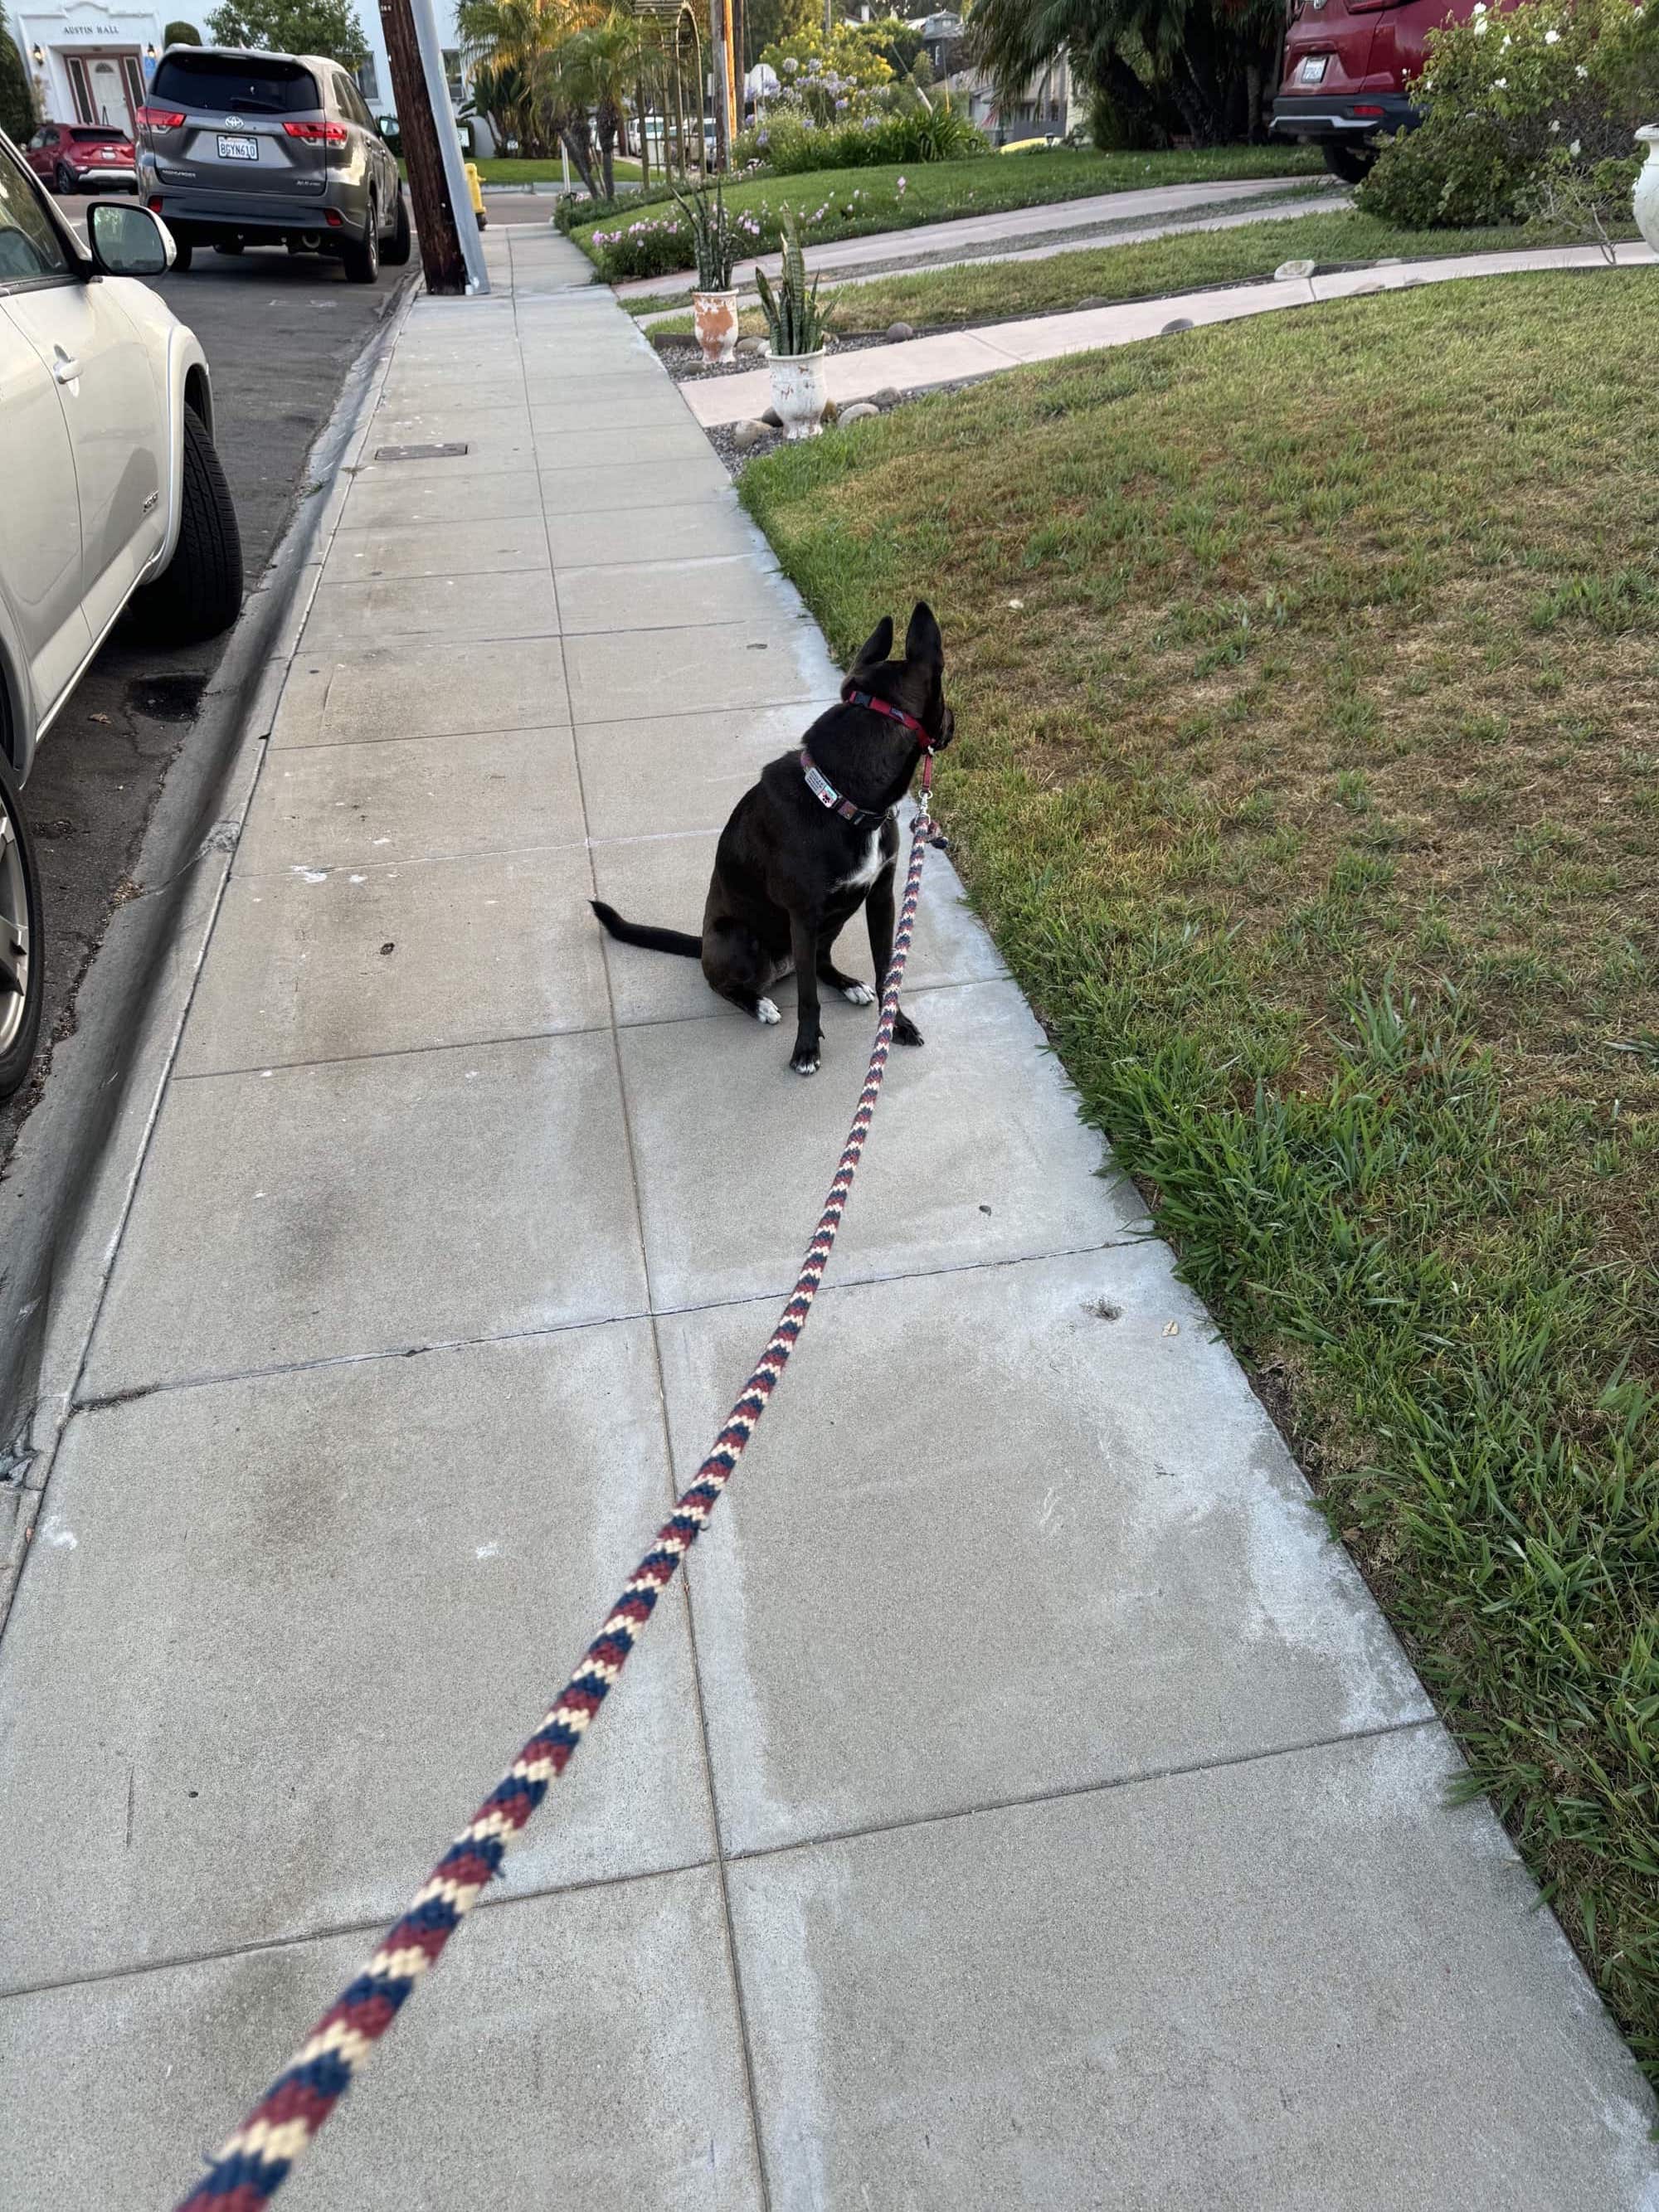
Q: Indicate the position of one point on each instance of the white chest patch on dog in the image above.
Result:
(867, 869)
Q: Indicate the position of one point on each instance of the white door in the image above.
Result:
(116, 411)
(109, 94)
(39, 514)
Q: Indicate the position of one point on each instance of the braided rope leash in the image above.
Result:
(258, 2158)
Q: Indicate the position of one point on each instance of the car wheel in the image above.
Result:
(396, 252)
(362, 256)
(22, 972)
(199, 593)
(64, 180)
(183, 254)
(1353, 164)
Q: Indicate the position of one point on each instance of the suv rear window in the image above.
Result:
(84, 136)
(243, 84)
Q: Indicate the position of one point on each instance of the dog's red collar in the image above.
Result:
(866, 699)
(826, 794)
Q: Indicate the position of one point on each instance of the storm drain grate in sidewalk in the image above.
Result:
(419, 453)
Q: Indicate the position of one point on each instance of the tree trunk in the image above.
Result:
(434, 218)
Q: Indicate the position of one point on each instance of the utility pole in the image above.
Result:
(435, 216)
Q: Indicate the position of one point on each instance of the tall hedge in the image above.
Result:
(17, 117)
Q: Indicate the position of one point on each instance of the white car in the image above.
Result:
(109, 486)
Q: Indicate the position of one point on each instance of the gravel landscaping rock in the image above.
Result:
(747, 435)
(1177, 323)
(748, 348)
(897, 332)
(1288, 271)
(859, 411)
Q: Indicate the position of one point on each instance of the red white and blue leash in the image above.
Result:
(255, 2161)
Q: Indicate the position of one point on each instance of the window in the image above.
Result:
(368, 82)
(31, 252)
(452, 72)
(225, 85)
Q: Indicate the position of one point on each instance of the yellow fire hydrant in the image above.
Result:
(473, 186)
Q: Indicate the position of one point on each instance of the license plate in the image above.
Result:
(1313, 72)
(239, 149)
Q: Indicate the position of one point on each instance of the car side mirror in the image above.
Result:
(127, 240)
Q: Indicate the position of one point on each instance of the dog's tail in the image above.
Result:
(655, 940)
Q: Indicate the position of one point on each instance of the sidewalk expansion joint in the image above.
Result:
(720, 1858)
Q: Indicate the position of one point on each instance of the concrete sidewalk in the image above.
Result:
(952, 356)
(1023, 1805)
(1069, 221)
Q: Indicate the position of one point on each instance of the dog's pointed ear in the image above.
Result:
(923, 643)
(877, 646)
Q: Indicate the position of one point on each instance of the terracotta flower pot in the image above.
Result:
(1644, 199)
(798, 393)
(715, 317)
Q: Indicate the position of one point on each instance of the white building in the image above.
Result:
(90, 61)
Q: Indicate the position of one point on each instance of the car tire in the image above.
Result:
(1351, 163)
(19, 908)
(395, 253)
(199, 593)
(360, 257)
(64, 180)
(183, 254)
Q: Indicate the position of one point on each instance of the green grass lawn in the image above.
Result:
(509, 169)
(935, 191)
(984, 292)
(1306, 675)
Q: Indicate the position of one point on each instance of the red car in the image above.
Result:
(82, 157)
(1346, 63)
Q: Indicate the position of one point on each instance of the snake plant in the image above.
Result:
(711, 237)
(793, 324)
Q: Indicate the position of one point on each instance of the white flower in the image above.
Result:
(1500, 84)
(1573, 148)
(1481, 26)
(1555, 124)
(1581, 70)
(1551, 37)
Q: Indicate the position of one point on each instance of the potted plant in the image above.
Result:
(714, 303)
(795, 329)
(1645, 199)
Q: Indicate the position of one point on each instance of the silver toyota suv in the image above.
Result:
(238, 149)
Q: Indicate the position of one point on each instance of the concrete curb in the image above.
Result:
(72, 1174)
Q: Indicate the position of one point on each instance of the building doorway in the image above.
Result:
(107, 88)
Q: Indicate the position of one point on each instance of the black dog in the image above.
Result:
(815, 840)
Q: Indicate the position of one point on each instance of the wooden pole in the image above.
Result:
(720, 70)
(434, 218)
(732, 101)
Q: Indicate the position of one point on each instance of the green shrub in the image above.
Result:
(17, 116)
(1522, 111)
(790, 144)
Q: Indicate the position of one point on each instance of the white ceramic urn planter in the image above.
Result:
(798, 393)
(715, 317)
(1644, 200)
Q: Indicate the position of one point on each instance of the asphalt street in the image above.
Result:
(280, 332)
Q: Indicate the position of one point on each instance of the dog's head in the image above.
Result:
(917, 682)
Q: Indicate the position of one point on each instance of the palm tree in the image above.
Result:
(520, 35)
(1208, 60)
(593, 71)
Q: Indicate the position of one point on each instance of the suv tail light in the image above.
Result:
(318, 134)
(159, 119)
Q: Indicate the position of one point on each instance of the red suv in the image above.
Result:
(1346, 63)
(81, 157)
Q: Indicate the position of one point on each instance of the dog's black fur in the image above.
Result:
(789, 874)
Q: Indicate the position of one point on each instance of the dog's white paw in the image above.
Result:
(766, 1013)
(804, 1067)
(859, 994)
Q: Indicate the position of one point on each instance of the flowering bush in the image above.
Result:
(791, 145)
(648, 247)
(1523, 109)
